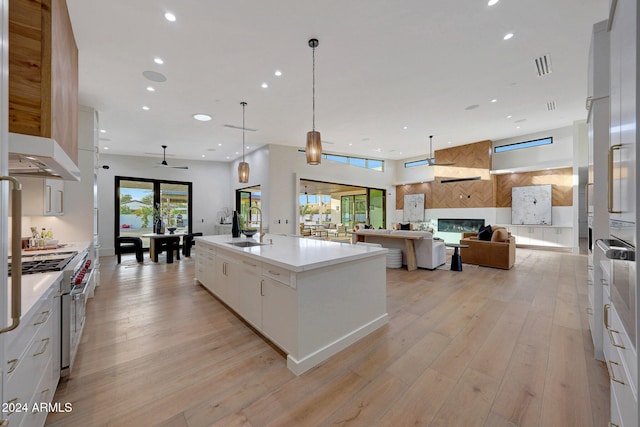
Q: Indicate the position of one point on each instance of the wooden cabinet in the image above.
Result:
(42, 197)
(43, 72)
(279, 314)
(30, 354)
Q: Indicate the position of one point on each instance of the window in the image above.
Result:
(416, 163)
(361, 162)
(526, 144)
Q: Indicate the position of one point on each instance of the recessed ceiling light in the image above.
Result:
(237, 152)
(517, 127)
(202, 117)
(508, 36)
(220, 145)
(158, 60)
(492, 2)
(145, 108)
(103, 131)
(203, 156)
(448, 142)
(509, 116)
(105, 147)
(264, 85)
(350, 144)
(405, 128)
(151, 89)
(494, 100)
(248, 147)
(228, 157)
(170, 17)
(278, 73)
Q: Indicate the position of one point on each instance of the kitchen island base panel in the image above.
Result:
(310, 299)
(299, 367)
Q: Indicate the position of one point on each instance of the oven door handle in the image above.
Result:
(16, 248)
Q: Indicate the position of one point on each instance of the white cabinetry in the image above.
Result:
(548, 236)
(279, 317)
(249, 286)
(32, 363)
(42, 197)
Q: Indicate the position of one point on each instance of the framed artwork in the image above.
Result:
(531, 205)
(413, 207)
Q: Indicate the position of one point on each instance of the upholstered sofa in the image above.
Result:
(430, 253)
(500, 252)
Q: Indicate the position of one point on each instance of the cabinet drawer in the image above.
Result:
(30, 366)
(18, 340)
(43, 394)
(280, 274)
(625, 353)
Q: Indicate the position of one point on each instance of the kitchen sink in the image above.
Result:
(246, 244)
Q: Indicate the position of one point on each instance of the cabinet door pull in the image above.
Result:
(613, 341)
(613, 148)
(589, 311)
(44, 347)
(16, 248)
(612, 424)
(612, 375)
(605, 315)
(275, 273)
(261, 285)
(604, 282)
(14, 364)
(45, 316)
(248, 263)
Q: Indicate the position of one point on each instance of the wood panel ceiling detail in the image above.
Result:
(476, 155)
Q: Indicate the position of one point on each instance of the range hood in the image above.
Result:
(40, 157)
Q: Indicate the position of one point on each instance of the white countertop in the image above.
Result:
(294, 253)
(33, 287)
(65, 247)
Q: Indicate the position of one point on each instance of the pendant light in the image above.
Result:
(243, 167)
(314, 145)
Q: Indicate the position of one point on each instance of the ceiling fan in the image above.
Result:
(164, 163)
(431, 159)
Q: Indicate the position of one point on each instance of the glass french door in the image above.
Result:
(136, 199)
(356, 209)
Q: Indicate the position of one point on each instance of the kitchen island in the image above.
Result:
(311, 298)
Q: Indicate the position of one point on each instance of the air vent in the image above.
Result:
(543, 65)
(473, 178)
(551, 105)
(240, 127)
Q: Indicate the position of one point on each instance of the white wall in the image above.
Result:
(413, 174)
(211, 190)
(287, 167)
(558, 154)
(76, 225)
(258, 175)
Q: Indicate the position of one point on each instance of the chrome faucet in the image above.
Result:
(249, 218)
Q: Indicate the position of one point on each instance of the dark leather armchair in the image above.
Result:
(126, 244)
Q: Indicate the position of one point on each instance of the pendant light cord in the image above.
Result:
(313, 73)
(243, 105)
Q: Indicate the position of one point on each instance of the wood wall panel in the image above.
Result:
(560, 179)
(43, 72)
(491, 190)
(476, 155)
(64, 72)
(27, 68)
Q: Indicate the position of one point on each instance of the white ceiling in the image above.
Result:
(380, 66)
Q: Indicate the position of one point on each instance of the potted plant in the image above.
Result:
(158, 220)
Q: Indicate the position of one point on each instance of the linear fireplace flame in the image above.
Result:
(467, 225)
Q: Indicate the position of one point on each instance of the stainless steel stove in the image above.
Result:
(42, 263)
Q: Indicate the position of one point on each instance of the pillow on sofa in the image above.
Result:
(484, 233)
(405, 226)
(500, 235)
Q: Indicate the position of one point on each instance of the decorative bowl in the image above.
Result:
(171, 229)
(249, 232)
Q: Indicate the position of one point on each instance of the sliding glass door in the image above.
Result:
(366, 208)
(136, 198)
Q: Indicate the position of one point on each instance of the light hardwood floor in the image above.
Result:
(482, 347)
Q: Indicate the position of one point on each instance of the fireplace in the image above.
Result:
(452, 225)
